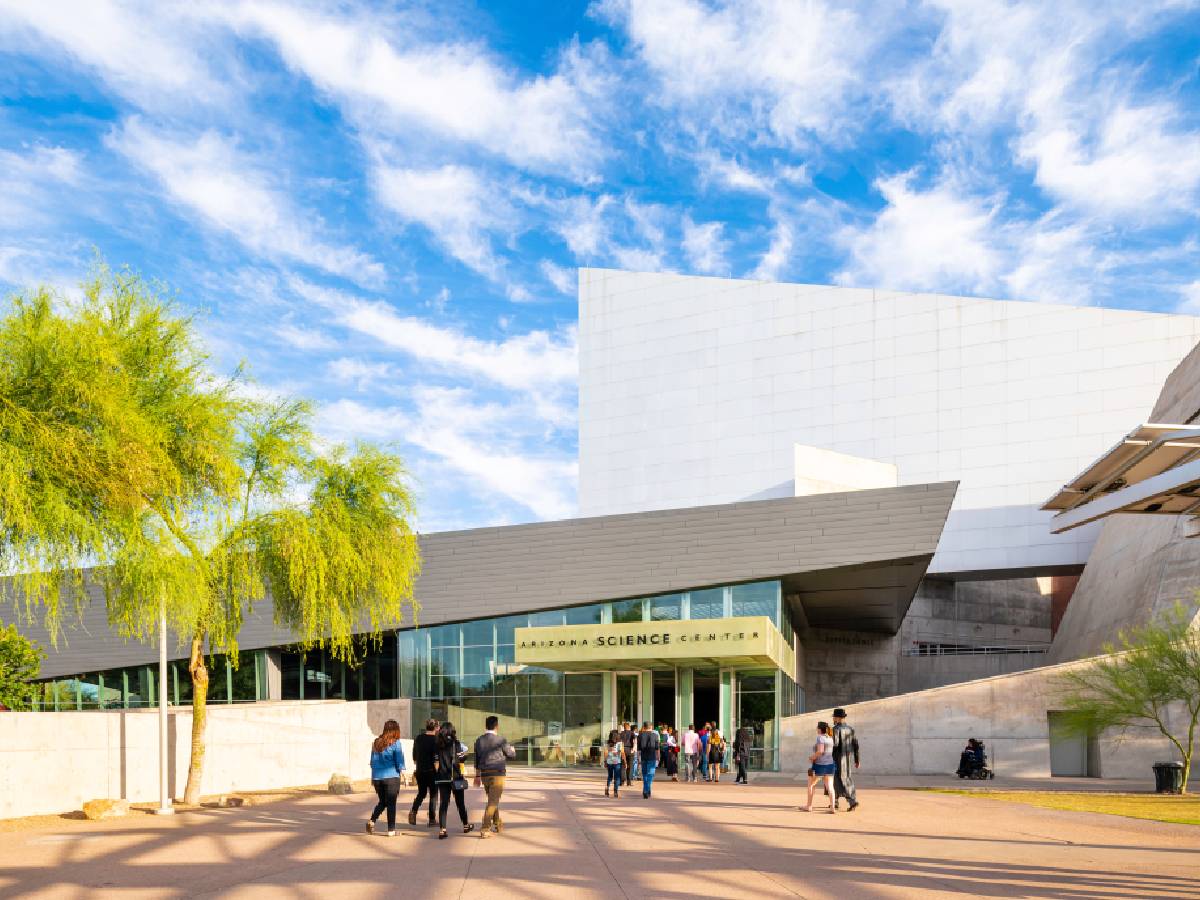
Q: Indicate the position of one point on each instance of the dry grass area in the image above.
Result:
(1179, 810)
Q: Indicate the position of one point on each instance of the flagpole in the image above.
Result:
(164, 800)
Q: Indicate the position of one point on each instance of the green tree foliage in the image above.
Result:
(20, 661)
(1152, 668)
(122, 450)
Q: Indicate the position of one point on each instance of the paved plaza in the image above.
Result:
(564, 839)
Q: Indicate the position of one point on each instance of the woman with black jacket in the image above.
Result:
(448, 777)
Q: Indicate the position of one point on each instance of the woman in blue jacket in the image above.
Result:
(387, 762)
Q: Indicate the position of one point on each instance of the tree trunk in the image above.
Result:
(199, 672)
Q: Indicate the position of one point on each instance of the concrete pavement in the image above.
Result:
(565, 839)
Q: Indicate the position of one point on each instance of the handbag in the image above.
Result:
(459, 784)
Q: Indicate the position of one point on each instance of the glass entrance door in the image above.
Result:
(627, 698)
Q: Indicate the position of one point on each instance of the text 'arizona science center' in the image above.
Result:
(791, 497)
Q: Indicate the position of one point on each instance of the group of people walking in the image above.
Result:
(438, 757)
(630, 754)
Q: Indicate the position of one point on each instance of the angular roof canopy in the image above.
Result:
(850, 559)
(1155, 469)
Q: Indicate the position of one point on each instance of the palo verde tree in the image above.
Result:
(120, 450)
(20, 661)
(1152, 673)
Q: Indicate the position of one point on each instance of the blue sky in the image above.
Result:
(381, 208)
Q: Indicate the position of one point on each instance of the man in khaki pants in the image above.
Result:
(492, 753)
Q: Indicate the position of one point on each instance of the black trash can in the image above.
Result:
(1168, 777)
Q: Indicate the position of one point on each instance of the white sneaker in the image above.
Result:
(391, 834)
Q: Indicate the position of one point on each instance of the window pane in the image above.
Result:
(583, 615)
(477, 633)
(748, 684)
(446, 661)
(444, 636)
(666, 608)
(544, 619)
(544, 681)
(505, 628)
(245, 678)
(289, 676)
(587, 683)
(708, 604)
(477, 660)
(759, 599)
(627, 611)
(388, 682)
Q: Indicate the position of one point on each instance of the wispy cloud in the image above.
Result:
(454, 203)
(705, 246)
(209, 175)
(390, 82)
(922, 238)
(534, 360)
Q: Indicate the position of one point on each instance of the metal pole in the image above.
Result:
(164, 801)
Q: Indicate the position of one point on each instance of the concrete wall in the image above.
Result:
(54, 762)
(998, 613)
(849, 666)
(923, 733)
(694, 390)
(1141, 565)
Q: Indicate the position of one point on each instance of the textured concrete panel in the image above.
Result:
(922, 733)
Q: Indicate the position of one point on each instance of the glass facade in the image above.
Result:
(136, 687)
(467, 671)
(312, 676)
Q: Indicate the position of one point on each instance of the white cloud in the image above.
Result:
(536, 360)
(789, 66)
(498, 446)
(563, 279)
(924, 240)
(31, 185)
(301, 337)
(779, 253)
(1191, 298)
(208, 174)
(364, 375)
(453, 202)
(390, 81)
(731, 174)
(146, 52)
(580, 222)
(1141, 163)
(705, 246)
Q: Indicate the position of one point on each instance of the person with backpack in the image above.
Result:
(424, 753)
(628, 738)
(741, 753)
(387, 762)
(492, 753)
(615, 762)
(716, 755)
(448, 776)
(647, 746)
